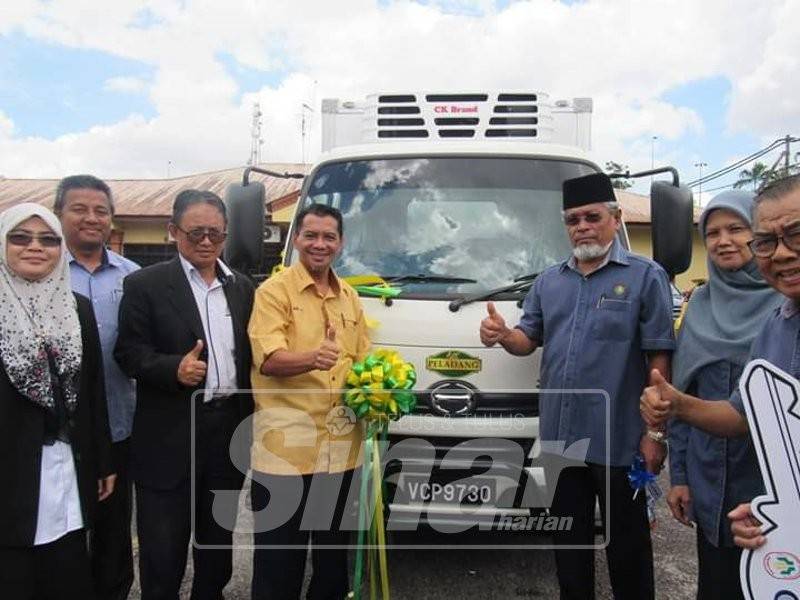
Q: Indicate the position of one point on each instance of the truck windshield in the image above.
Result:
(447, 225)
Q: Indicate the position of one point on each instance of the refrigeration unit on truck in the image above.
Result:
(455, 200)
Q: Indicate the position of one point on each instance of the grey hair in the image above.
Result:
(612, 207)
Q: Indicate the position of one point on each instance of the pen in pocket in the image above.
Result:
(600, 301)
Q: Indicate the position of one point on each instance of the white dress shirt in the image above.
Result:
(218, 328)
(59, 503)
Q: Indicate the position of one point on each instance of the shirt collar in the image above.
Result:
(114, 259)
(789, 308)
(304, 279)
(109, 259)
(615, 254)
(189, 268)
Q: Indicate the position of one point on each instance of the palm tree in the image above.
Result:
(613, 168)
(758, 176)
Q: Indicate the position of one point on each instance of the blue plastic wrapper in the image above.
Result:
(641, 479)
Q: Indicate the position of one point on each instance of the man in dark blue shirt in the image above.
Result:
(603, 318)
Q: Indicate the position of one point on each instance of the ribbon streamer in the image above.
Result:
(642, 479)
(379, 389)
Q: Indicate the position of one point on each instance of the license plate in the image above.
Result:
(480, 491)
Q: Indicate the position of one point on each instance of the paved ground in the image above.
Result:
(454, 573)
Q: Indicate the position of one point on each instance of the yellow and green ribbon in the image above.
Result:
(379, 389)
(373, 285)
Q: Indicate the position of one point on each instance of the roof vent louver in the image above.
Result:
(507, 115)
(456, 133)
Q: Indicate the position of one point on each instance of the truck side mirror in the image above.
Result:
(671, 213)
(245, 243)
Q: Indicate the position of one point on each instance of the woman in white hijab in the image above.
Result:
(55, 461)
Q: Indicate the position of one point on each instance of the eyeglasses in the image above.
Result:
(575, 219)
(195, 236)
(765, 246)
(26, 239)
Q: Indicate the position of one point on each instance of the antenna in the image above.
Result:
(303, 110)
(256, 140)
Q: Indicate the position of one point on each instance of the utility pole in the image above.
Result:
(700, 166)
(652, 154)
(255, 137)
(303, 110)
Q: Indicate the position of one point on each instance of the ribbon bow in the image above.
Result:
(378, 388)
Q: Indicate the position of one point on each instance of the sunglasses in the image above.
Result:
(592, 217)
(26, 239)
(195, 236)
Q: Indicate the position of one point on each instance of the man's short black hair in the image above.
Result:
(187, 198)
(80, 182)
(318, 210)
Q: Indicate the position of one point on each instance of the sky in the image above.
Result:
(163, 88)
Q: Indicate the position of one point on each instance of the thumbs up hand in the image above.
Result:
(493, 327)
(327, 355)
(658, 401)
(192, 370)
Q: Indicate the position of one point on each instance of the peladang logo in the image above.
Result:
(340, 420)
(453, 363)
(782, 565)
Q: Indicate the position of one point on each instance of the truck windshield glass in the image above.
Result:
(490, 220)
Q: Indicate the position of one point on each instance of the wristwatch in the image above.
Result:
(657, 435)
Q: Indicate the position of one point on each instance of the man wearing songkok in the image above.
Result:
(603, 320)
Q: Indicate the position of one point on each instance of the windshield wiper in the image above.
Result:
(422, 278)
(528, 277)
(521, 284)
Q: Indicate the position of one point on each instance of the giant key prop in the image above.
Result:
(772, 401)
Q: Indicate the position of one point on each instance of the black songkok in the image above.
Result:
(588, 189)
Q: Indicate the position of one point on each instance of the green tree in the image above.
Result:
(758, 176)
(615, 168)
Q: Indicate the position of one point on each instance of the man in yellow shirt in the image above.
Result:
(306, 330)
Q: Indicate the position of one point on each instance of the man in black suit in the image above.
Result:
(183, 336)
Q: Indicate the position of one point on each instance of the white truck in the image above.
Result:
(455, 198)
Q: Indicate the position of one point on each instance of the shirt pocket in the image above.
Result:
(347, 323)
(106, 311)
(613, 320)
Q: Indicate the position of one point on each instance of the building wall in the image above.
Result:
(143, 231)
(284, 215)
(144, 241)
(640, 237)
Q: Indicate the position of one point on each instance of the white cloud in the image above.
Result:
(623, 54)
(14, 14)
(6, 126)
(125, 85)
(766, 97)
